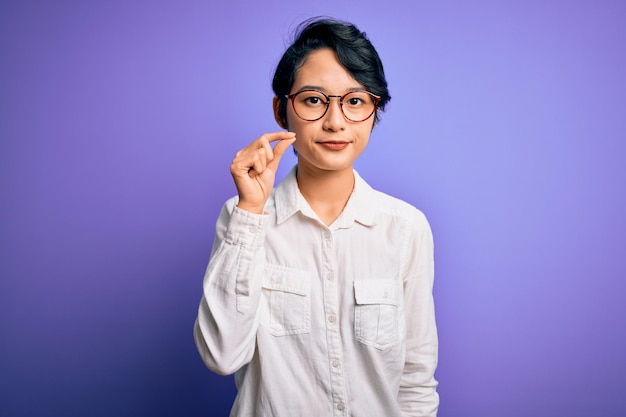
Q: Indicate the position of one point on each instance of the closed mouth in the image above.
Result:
(334, 145)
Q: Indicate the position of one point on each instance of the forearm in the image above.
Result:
(225, 330)
(418, 395)
(418, 387)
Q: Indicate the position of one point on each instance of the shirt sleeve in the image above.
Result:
(227, 322)
(418, 395)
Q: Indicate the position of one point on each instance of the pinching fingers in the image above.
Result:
(279, 151)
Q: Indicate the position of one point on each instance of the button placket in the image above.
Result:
(333, 338)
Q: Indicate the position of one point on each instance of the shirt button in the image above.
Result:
(335, 364)
(332, 318)
(326, 235)
(341, 407)
(253, 229)
(329, 276)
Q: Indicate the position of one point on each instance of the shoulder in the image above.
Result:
(400, 210)
(391, 208)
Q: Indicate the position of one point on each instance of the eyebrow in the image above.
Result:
(323, 90)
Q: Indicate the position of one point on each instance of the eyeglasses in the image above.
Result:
(312, 105)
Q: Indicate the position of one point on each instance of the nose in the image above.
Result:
(334, 119)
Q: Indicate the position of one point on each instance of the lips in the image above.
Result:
(334, 145)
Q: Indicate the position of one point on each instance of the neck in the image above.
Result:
(327, 192)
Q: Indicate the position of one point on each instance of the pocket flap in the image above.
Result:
(282, 278)
(377, 291)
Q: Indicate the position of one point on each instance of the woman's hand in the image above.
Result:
(254, 169)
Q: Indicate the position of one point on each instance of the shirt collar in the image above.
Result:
(361, 206)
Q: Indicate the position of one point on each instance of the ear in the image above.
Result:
(276, 105)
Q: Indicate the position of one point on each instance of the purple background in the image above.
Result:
(119, 119)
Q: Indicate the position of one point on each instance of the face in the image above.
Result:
(331, 143)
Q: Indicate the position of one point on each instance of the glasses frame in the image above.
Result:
(292, 98)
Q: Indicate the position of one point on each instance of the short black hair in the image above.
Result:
(354, 51)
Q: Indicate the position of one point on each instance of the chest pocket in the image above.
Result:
(287, 299)
(377, 312)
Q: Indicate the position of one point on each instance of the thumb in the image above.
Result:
(279, 151)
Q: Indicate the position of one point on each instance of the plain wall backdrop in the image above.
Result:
(118, 123)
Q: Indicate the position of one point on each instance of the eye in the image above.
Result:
(355, 101)
(312, 99)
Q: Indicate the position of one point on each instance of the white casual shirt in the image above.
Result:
(322, 320)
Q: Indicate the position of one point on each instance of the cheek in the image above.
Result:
(302, 138)
(289, 117)
(297, 125)
(365, 131)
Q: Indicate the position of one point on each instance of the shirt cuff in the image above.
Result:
(246, 229)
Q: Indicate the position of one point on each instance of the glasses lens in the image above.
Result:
(310, 105)
(358, 105)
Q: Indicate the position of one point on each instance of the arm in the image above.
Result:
(418, 395)
(225, 330)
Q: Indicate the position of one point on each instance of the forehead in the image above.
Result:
(322, 69)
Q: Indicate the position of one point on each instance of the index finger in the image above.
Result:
(267, 138)
(276, 136)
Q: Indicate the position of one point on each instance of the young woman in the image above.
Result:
(318, 294)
